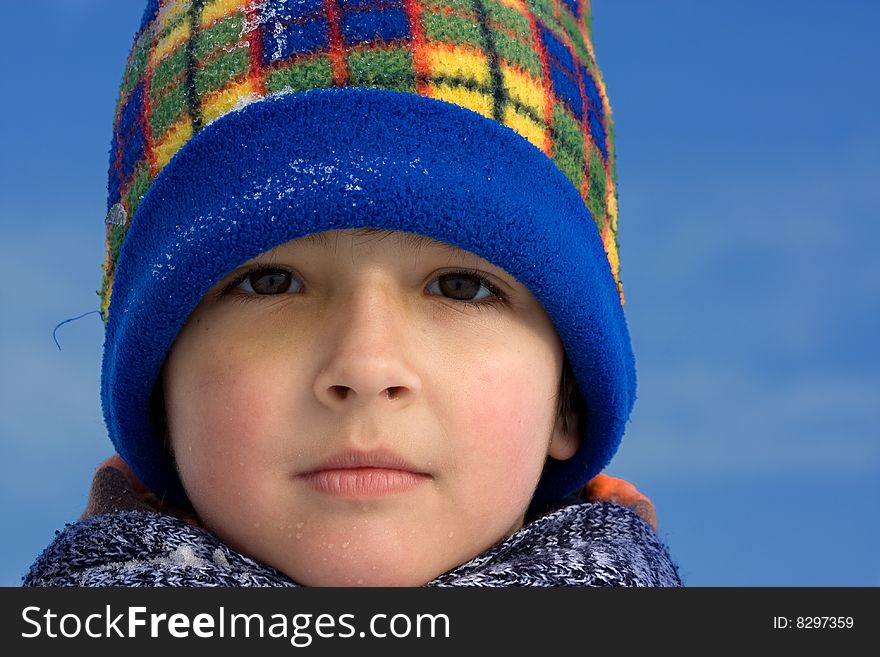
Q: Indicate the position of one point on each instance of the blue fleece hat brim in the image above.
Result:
(296, 164)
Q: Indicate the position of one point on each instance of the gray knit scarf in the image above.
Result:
(585, 544)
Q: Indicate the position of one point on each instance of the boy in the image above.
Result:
(364, 320)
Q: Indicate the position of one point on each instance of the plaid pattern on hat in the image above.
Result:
(527, 64)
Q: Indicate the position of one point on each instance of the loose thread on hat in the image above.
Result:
(72, 319)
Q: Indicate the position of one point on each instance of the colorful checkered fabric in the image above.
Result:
(527, 64)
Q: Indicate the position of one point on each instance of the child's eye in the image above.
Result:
(466, 287)
(267, 281)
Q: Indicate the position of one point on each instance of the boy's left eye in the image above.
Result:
(267, 282)
(463, 286)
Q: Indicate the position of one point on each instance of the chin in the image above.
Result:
(380, 577)
(389, 580)
(349, 571)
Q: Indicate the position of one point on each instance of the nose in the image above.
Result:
(367, 354)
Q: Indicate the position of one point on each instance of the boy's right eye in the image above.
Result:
(266, 282)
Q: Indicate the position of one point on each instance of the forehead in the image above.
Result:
(399, 239)
(407, 244)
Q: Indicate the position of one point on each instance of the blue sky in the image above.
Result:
(748, 163)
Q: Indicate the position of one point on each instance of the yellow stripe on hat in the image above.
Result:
(218, 9)
(609, 241)
(517, 5)
(174, 38)
(105, 302)
(611, 204)
(177, 136)
(220, 102)
(457, 61)
(524, 88)
(525, 126)
(472, 100)
(170, 13)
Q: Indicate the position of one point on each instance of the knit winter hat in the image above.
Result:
(243, 124)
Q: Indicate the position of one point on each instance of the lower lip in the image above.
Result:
(364, 482)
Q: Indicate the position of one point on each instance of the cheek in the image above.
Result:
(501, 406)
(221, 421)
(506, 424)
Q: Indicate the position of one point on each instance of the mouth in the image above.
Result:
(364, 474)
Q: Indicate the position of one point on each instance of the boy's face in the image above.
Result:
(360, 410)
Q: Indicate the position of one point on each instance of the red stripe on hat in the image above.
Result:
(147, 106)
(548, 82)
(413, 11)
(336, 52)
(257, 73)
